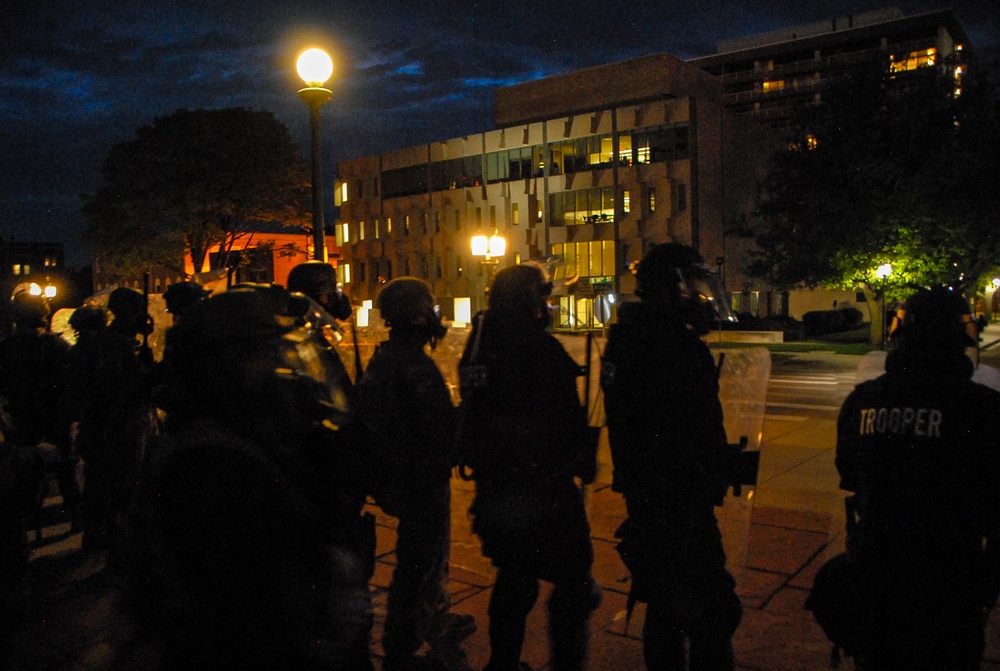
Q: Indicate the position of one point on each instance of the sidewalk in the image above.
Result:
(797, 523)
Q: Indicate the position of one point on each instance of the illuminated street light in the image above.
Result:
(990, 292)
(882, 272)
(489, 250)
(315, 67)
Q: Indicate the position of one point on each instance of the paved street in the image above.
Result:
(796, 522)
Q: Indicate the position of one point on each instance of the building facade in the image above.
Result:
(596, 165)
(767, 79)
(591, 167)
(264, 256)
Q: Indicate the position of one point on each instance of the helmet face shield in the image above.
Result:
(704, 291)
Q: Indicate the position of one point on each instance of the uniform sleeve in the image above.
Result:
(846, 458)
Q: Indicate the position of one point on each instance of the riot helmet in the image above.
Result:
(29, 310)
(675, 276)
(520, 295)
(408, 308)
(88, 319)
(129, 308)
(318, 280)
(935, 318)
(181, 295)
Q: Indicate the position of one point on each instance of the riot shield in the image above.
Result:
(743, 380)
(59, 324)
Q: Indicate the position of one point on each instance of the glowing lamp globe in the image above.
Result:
(314, 66)
(498, 245)
(480, 245)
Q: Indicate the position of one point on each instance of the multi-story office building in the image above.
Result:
(595, 165)
(591, 166)
(768, 77)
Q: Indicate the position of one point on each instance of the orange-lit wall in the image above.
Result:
(284, 259)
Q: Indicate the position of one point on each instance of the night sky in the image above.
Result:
(77, 76)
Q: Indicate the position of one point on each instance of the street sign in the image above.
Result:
(602, 279)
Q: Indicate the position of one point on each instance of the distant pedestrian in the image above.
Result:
(523, 431)
(406, 409)
(669, 448)
(918, 447)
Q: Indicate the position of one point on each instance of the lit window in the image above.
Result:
(406, 225)
(626, 201)
(811, 142)
(361, 230)
(652, 199)
(515, 215)
(17, 269)
(377, 231)
(388, 226)
(343, 192)
(345, 233)
(774, 86)
(625, 149)
(915, 59)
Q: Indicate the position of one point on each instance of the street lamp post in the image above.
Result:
(315, 67)
(990, 291)
(489, 250)
(882, 272)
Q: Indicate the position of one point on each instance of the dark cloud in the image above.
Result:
(77, 76)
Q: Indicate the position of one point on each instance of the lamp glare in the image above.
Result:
(480, 245)
(314, 66)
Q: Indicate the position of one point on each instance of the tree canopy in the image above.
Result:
(192, 180)
(894, 168)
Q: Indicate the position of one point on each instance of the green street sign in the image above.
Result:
(603, 279)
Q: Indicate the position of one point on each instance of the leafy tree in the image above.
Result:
(192, 180)
(892, 169)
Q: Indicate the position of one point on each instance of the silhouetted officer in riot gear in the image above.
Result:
(523, 432)
(668, 445)
(236, 555)
(918, 446)
(116, 420)
(179, 296)
(318, 280)
(32, 423)
(406, 410)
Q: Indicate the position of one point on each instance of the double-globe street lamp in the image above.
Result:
(489, 249)
(315, 67)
